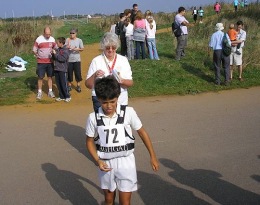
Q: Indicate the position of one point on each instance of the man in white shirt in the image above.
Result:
(236, 58)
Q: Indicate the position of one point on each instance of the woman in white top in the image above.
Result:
(150, 38)
(129, 31)
(110, 63)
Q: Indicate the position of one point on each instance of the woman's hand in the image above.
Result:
(99, 73)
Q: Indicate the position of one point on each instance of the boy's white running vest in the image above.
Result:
(113, 141)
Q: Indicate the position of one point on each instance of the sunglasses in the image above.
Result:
(72, 33)
(110, 47)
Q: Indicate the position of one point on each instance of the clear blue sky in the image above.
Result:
(20, 8)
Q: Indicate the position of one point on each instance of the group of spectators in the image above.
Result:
(136, 31)
(60, 58)
(236, 40)
(236, 3)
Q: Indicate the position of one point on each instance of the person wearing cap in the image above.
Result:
(218, 57)
(75, 46)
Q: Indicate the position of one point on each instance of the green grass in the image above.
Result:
(192, 75)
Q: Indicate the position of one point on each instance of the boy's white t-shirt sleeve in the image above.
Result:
(134, 120)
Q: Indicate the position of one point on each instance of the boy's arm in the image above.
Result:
(62, 56)
(93, 152)
(146, 140)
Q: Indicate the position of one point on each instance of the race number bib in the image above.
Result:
(112, 136)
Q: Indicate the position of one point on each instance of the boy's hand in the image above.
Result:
(155, 164)
(103, 166)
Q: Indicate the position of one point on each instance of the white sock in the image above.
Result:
(39, 91)
(50, 90)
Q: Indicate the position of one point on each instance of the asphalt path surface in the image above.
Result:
(208, 146)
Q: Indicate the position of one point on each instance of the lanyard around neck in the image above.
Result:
(113, 64)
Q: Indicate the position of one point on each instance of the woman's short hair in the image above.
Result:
(109, 39)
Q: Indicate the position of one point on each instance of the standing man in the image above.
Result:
(133, 13)
(42, 49)
(75, 45)
(121, 25)
(181, 21)
(236, 57)
(216, 43)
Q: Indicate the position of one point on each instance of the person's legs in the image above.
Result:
(226, 66)
(40, 71)
(143, 49)
(137, 47)
(58, 84)
(132, 50)
(128, 46)
(155, 53)
(125, 198)
(109, 197)
(240, 70)
(50, 73)
(179, 47)
(239, 63)
(77, 72)
(149, 45)
(123, 46)
(217, 63)
(70, 74)
(64, 85)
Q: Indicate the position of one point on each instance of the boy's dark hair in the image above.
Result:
(61, 40)
(240, 23)
(107, 88)
(181, 9)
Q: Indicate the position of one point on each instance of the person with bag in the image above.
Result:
(182, 22)
(220, 58)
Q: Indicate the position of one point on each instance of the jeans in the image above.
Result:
(138, 45)
(152, 48)
(130, 47)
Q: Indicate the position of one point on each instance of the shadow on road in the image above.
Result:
(74, 135)
(154, 190)
(210, 183)
(68, 185)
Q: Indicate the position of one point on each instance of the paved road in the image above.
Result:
(208, 146)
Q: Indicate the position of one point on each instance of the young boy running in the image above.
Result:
(111, 144)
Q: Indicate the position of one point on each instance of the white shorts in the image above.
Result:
(123, 175)
(236, 59)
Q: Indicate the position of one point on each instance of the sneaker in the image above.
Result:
(39, 96)
(59, 99)
(67, 99)
(78, 89)
(51, 94)
(69, 88)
